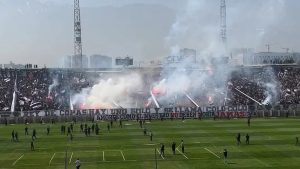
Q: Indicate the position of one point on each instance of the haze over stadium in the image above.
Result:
(199, 72)
(47, 27)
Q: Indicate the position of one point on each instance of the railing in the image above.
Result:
(216, 112)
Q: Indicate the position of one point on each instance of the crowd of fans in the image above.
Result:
(40, 89)
(277, 85)
(44, 89)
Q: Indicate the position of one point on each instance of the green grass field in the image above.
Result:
(272, 145)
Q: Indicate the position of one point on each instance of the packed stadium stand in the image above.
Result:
(50, 89)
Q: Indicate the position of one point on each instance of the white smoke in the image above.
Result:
(270, 93)
(108, 93)
(54, 84)
(192, 29)
(196, 27)
(271, 86)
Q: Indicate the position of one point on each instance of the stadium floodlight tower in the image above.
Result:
(223, 22)
(77, 36)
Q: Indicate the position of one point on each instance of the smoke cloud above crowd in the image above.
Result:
(209, 78)
(192, 24)
(113, 92)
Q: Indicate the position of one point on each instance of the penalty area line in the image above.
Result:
(212, 152)
(179, 146)
(182, 153)
(18, 160)
(71, 158)
(51, 158)
(122, 155)
(103, 155)
(160, 154)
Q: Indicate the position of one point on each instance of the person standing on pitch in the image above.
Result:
(86, 131)
(247, 139)
(13, 135)
(16, 136)
(238, 139)
(248, 121)
(69, 131)
(81, 127)
(33, 134)
(48, 130)
(26, 130)
(77, 163)
(93, 128)
(32, 145)
(72, 126)
(121, 125)
(151, 135)
(89, 131)
(297, 141)
(111, 123)
(61, 129)
(225, 153)
(97, 129)
(182, 146)
(108, 127)
(173, 147)
(162, 150)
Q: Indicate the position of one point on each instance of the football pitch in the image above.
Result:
(272, 145)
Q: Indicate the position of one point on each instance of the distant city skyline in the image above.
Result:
(41, 31)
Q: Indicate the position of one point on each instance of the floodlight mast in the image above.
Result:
(77, 36)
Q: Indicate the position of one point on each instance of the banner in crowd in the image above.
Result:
(151, 113)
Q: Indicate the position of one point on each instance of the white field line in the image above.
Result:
(122, 154)
(18, 160)
(160, 154)
(117, 161)
(179, 145)
(149, 144)
(51, 158)
(212, 152)
(103, 155)
(112, 150)
(182, 153)
(71, 158)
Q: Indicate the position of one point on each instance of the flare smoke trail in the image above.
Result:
(271, 85)
(248, 96)
(191, 100)
(154, 99)
(13, 103)
(54, 84)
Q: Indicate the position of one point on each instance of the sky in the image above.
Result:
(41, 31)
